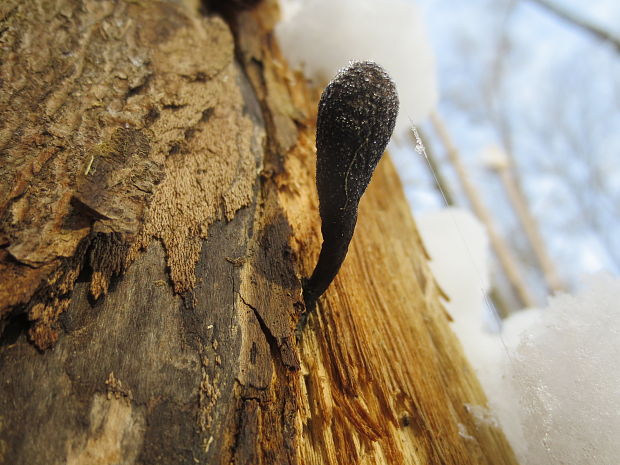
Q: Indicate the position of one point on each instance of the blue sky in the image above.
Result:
(556, 91)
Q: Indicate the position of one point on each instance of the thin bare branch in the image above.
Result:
(588, 26)
(530, 226)
(503, 252)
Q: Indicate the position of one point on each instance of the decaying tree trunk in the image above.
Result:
(158, 212)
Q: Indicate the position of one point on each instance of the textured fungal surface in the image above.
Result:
(357, 113)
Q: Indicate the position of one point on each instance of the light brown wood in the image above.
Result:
(384, 379)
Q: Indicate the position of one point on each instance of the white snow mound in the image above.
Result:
(323, 36)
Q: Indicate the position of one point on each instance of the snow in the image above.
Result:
(458, 246)
(323, 36)
(552, 376)
(565, 373)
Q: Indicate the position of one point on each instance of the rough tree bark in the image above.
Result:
(158, 212)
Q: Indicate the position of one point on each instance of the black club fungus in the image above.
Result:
(356, 117)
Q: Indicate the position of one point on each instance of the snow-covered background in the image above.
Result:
(514, 75)
(358, 30)
(508, 78)
(551, 374)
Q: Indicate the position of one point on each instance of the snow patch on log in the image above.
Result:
(322, 36)
(552, 377)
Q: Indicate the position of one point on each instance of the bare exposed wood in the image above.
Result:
(382, 370)
(154, 233)
(504, 255)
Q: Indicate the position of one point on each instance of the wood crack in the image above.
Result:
(271, 339)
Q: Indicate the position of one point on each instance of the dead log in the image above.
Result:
(158, 213)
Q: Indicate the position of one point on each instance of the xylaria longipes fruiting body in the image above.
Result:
(356, 118)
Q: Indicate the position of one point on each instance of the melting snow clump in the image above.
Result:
(322, 36)
(566, 374)
(553, 378)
